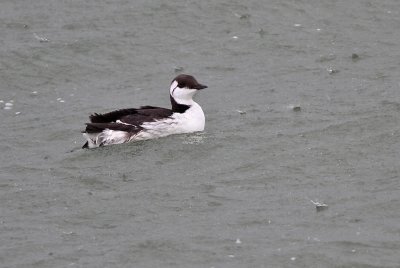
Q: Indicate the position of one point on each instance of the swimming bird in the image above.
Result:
(149, 122)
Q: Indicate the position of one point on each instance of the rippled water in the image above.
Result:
(303, 106)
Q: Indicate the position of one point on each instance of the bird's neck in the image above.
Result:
(180, 106)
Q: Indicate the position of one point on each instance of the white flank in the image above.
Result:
(106, 137)
(192, 120)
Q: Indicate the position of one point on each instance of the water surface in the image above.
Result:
(303, 105)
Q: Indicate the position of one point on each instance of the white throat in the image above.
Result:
(182, 95)
(182, 101)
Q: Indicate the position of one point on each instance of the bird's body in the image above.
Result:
(149, 122)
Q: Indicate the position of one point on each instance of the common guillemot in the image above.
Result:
(149, 122)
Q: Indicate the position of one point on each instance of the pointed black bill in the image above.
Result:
(200, 86)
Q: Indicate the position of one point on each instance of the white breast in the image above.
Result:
(192, 120)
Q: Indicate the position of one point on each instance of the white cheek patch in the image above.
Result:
(173, 86)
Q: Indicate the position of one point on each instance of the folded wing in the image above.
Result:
(128, 120)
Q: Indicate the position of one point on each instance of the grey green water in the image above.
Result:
(303, 105)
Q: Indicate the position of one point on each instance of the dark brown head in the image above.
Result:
(188, 81)
(183, 88)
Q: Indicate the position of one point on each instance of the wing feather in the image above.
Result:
(144, 111)
(128, 120)
(99, 127)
